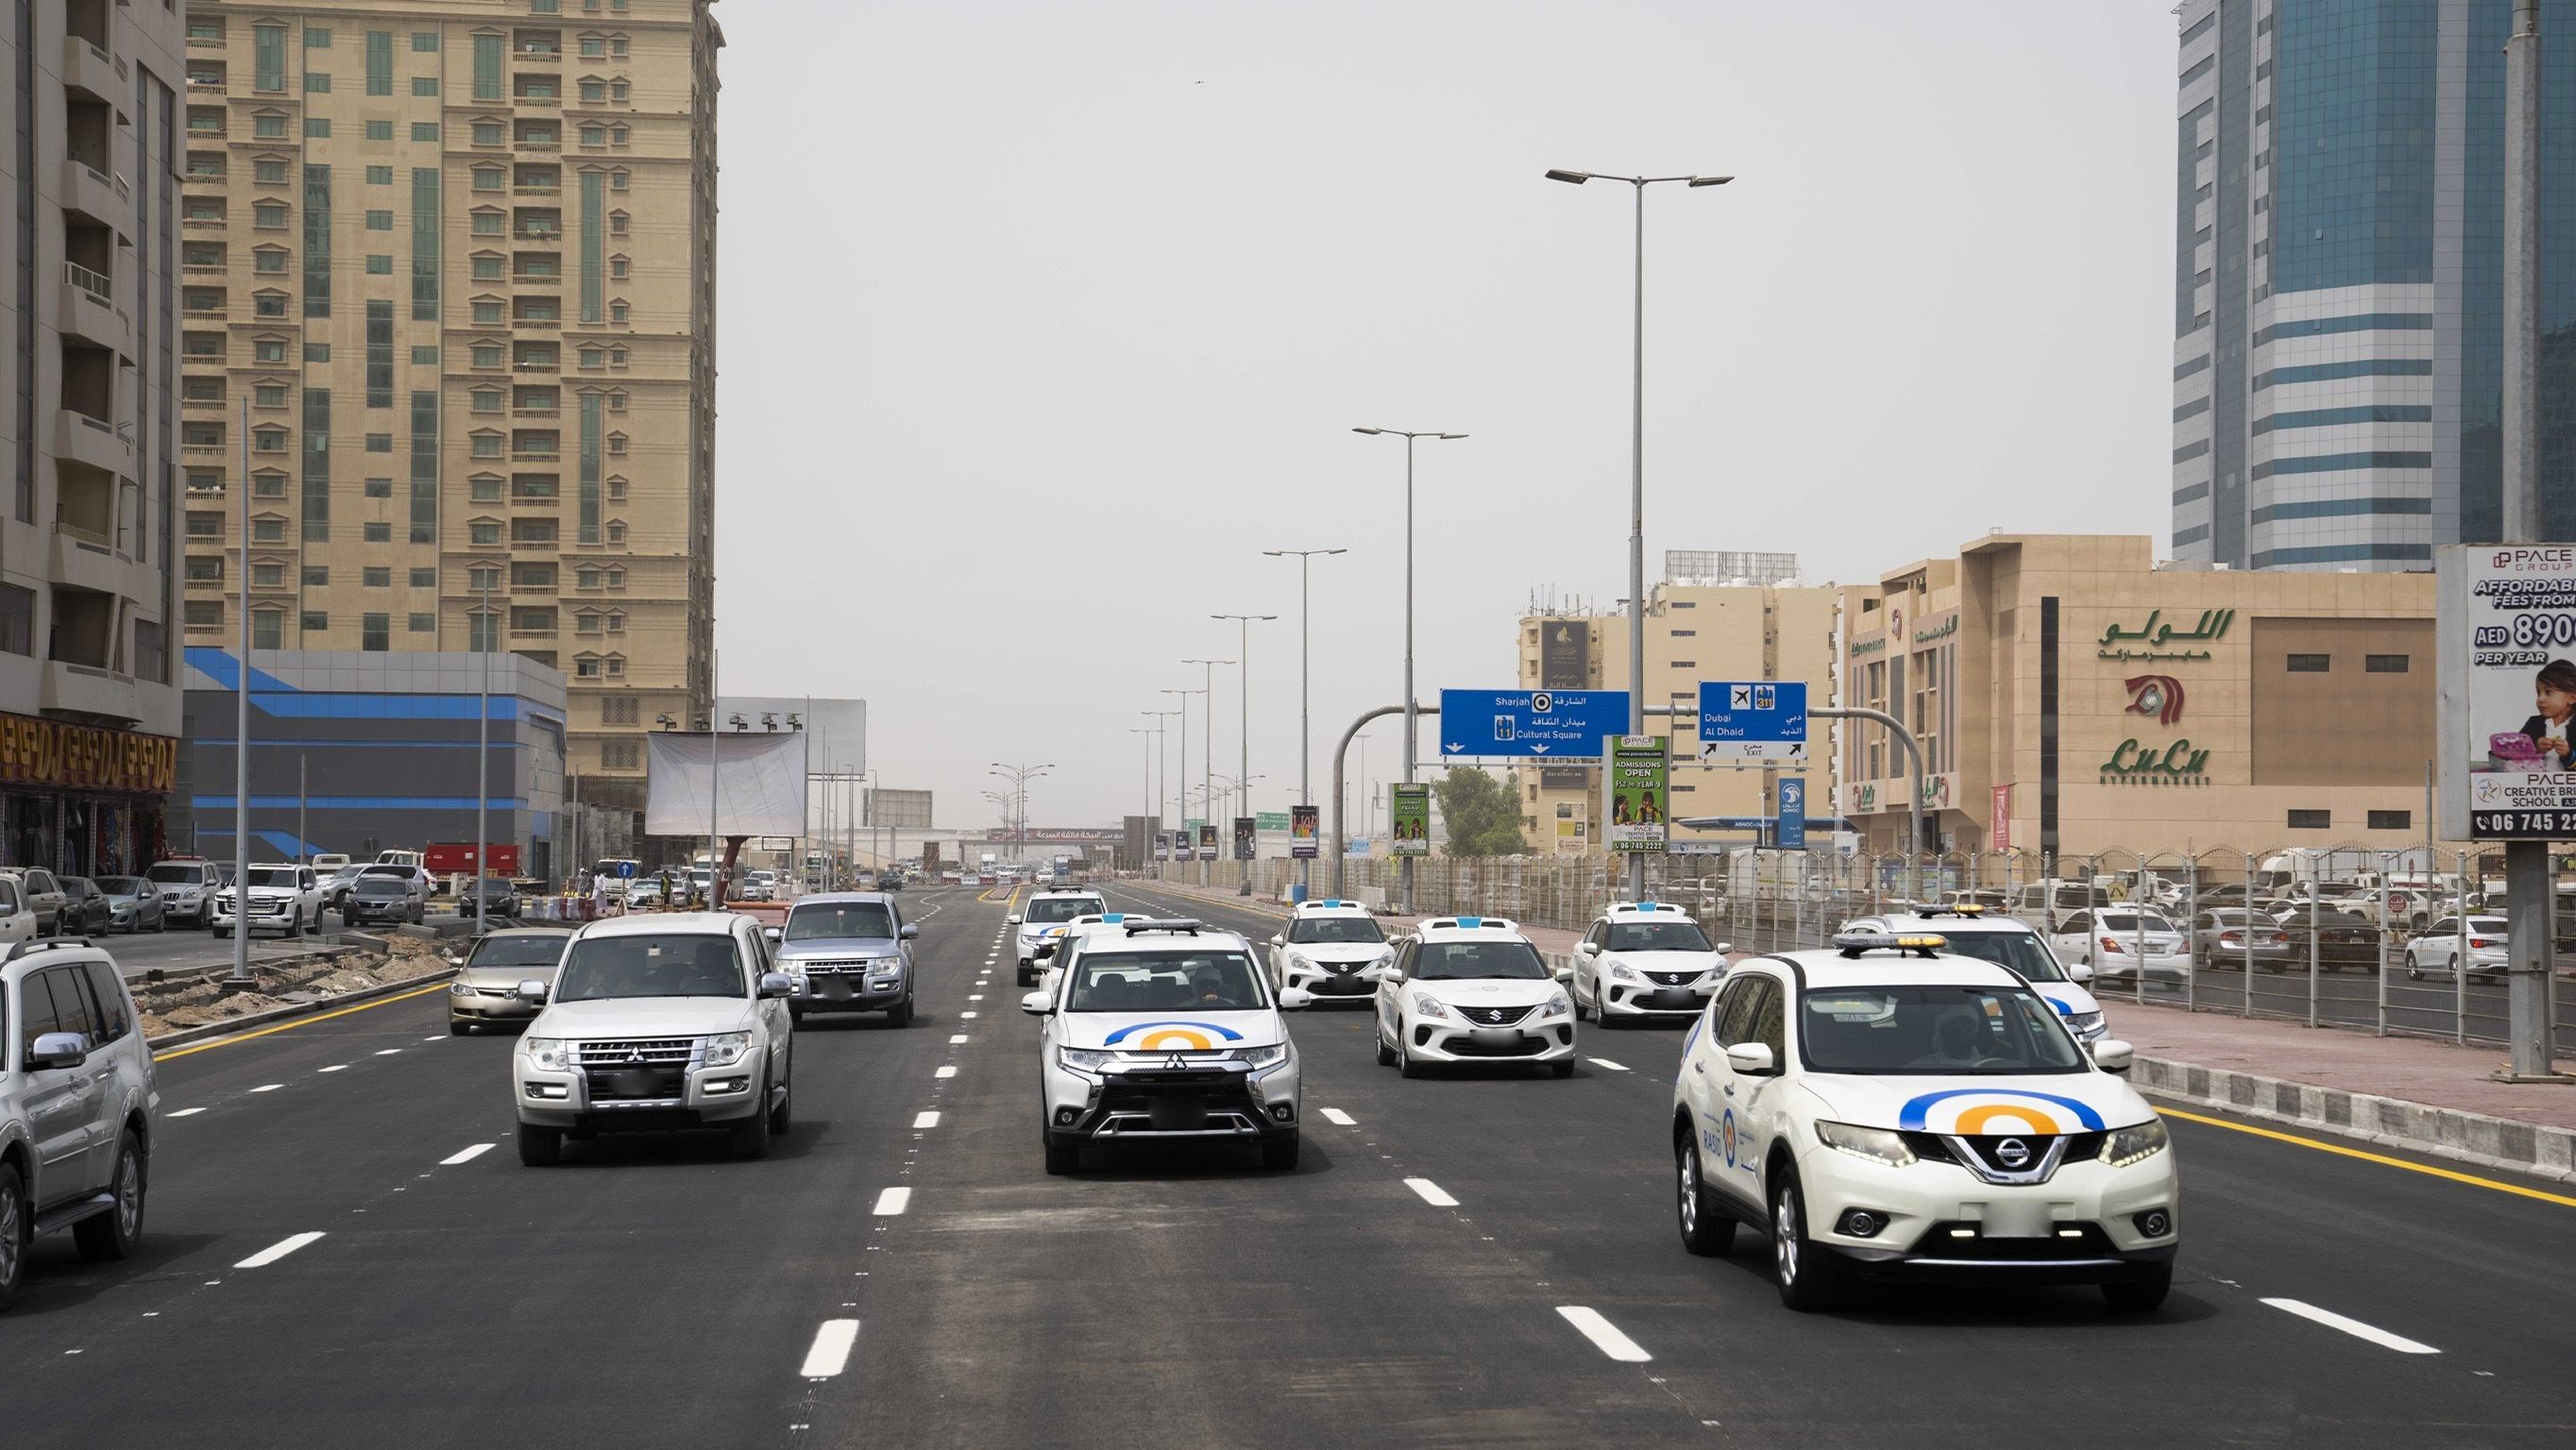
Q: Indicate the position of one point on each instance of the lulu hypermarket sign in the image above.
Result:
(84, 757)
(2180, 763)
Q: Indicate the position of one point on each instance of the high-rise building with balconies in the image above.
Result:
(449, 330)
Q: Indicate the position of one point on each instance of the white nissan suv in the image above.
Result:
(1644, 960)
(1327, 948)
(1888, 1110)
(1471, 989)
(656, 1022)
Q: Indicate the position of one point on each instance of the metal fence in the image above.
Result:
(2386, 973)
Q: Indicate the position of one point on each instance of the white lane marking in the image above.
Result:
(948, 1071)
(2353, 1327)
(277, 1250)
(974, 996)
(1605, 1062)
(388, 1052)
(892, 1202)
(185, 1113)
(335, 1067)
(1604, 1335)
(971, 1014)
(433, 1039)
(830, 1352)
(925, 1120)
(268, 1087)
(1336, 1115)
(466, 1156)
(960, 1037)
(1432, 1193)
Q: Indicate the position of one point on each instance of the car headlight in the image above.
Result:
(2135, 1145)
(1879, 1145)
(727, 1048)
(1556, 1005)
(1301, 961)
(459, 989)
(1384, 958)
(1428, 1006)
(1620, 972)
(554, 1054)
(1084, 1059)
(1270, 1056)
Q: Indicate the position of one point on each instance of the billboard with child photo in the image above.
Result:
(2507, 630)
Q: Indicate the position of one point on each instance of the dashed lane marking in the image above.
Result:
(185, 1113)
(892, 1201)
(960, 1037)
(948, 1071)
(1604, 1335)
(278, 1250)
(830, 1352)
(1336, 1115)
(1431, 1193)
(963, 1015)
(1603, 1062)
(388, 1052)
(925, 1120)
(2353, 1327)
(335, 1067)
(466, 1156)
(268, 1087)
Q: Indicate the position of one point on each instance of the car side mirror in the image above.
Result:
(1035, 1004)
(1295, 999)
(532, 992)
(910, 930)
(58, 1049)
(1010, 921)
(2112, 1055)
(772, 934)
(1725, 946)
(1565, 973)
(776, 984)
(1752, 1059)
(1589, 948)
(1279, 941)
(2079, 973)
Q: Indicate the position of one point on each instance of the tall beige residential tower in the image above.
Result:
(455, 261)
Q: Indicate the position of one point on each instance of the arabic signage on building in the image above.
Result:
(2161, 639)
(2505, 631)
(1409, 808)
(84, 757)
(1638, 780)
(1943, 630)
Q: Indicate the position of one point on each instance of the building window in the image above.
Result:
(532, 621)
(268, 214)
(486, 533)
(616, 665)
(2310, 665)
(2392, 820)
(317, 128)
(317, 576)
(486, 488)
(585, 667)
(617, 531)
(424, 578)
(267, 629)
(380, 488)
(424, 623)
(424, 85)
(483, 579)
(380, 130)
(585, 624)
(487, 355)
(487, 401)
(424, 131)
(426, 357)
(268, 576)
(268, 485)
(487, 269)
(375, 631)
(617, 754)
(588, 578)
(616, 578)
(377, 533)
(204, 614)
(205, 568)
(618, 710)
(2311, 820)
(487, 133)
(314, 621)
(2383, 665)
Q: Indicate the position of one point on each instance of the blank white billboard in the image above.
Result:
(761, 775)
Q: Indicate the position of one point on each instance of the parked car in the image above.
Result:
(329, 863)
(500, 899)
(2234, 935)
(2342, 939)
(43, 893)
(2438, 950)
(383, 898)
(133, 904)
(2047, 904)
(76, 1123)
(2120, 941)
(186, 883)
(84, 911)
(17, 924)
(336, 885)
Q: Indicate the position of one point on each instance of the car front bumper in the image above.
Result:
(1655, 999)
(707, 1096)
(279, 921)
(2085, 1225)
(1161, 1105)
(487, 1005)
(1453, 1039)
(1326, 984)
(848, 992)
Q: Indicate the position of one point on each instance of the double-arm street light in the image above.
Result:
(1184, 772)
(1243, 678)
(1207, 749)
(1305, 678)
(1410, 722)
(1162, 756)
(1636, 470)
(1019, 776)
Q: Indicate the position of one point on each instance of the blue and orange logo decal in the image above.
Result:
(1977, 1112)
(1171, 1036)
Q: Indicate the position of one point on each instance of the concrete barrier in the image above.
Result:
(2466, 1137)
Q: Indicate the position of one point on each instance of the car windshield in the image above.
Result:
(177, 875)
(272, 876)
(2128, 921)
(2020, 950)
(381, 886)
(1985, 1031)
(2488, 925)
(543, 949)
(829, 920)
(1063, 908)
(121, 885)
(1657, 936)
(1463, 961)
(1215, 979)
(490, 886)
(1335, 929)
(695, 965)
(396, 872)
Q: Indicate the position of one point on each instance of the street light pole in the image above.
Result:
(1184, 773)
(241, 730)
(1207, 754)
(1243, 679)
(483, 749)
(1637, 470)
(1162, 759)
(1305, 685)
(2530, 898)
(1411, 723)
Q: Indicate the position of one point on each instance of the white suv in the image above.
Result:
(1162, 1031)
(656, 1022)
(283, 898)
(77, 1101)
(1471, 989)
(1046, 909)
(1643, 960)
(1328, 948)
(1889, 1111)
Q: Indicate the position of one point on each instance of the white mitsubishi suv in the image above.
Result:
(1471, 989)
(656, 1022)
(1889, 1110)
(1644, 960)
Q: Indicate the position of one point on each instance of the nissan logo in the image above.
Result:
(2012, 1153)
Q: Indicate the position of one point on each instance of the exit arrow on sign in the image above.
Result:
(1455, 747)
(1538, 750)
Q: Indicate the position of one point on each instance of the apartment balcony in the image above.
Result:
(108, 200)
(551, 455)
(88, 310)
(534, 143)
(93, 441)
(536, 412)
(207, 86)
(89, 690)
(88, 68)
(83, 558)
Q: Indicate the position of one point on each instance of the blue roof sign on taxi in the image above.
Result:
(1749, 720)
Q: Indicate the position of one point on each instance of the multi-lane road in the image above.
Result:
(343, 1249)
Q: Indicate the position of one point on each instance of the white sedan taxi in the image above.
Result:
(1645, 960)
(1327, 948)
(1471, 989)
(1884, 1110)
(1163, 1031)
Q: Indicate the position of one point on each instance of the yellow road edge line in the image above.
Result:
(2452, 1174)
(298, 1022)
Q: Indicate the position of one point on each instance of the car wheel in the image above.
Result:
(751, 1135)
(459, 1029)
(1562, 1069)
(1385, 1054)
(1279, 1155)
(222, 934)
(106, 1237)
(795, 1013)
(900, 1016)
(1405, 1066)
(160, 924)
(1062, 1155)
(782, 1115)
(539, 1147)
(1705, 1231)
(2136, 1296)
(1805, 1277)
(13, 1233)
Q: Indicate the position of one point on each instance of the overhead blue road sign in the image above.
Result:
(1529, 724)
(1753, 720)
(1793, 813)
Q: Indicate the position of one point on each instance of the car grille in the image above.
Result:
(648, 1052)
(1470, 1047)
(838, 967)
(1935, 1148)
(1672, 979)
(1494, 1016)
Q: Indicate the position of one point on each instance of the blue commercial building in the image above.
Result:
(385, 743)
(2338, 281)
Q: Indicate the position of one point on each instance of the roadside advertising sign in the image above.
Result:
(1409, 807)
(1999, 830)
(1753, 720)
(1792, 830)
(1245, 834)
(2505, 631)
(1304, 826)
(1207, 842)
(1639, 783)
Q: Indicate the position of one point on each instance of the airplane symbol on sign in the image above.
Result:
(1739, 697)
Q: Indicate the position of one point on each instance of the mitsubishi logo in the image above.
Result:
(1176, 1062)
(2012, 1153)
(634, 1054)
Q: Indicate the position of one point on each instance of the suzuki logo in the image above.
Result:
(2159, 696)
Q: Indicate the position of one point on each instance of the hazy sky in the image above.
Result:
(1039, 322)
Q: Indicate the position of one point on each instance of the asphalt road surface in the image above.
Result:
(342, 1248)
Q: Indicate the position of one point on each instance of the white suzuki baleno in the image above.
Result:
(1885, 1110)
